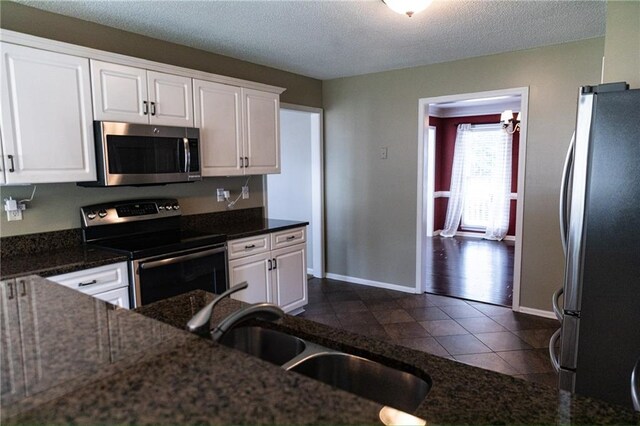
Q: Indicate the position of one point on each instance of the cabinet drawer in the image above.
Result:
(95, 280)
(248, 246)
(288, 237)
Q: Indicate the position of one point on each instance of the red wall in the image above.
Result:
(446, 129)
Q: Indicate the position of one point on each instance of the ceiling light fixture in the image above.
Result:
(407, 7)
(509, 124)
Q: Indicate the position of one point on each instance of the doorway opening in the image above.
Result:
(470, 196)
(297, 192)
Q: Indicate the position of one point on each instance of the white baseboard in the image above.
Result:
(310, 271)
(537, 312)
(371, 283)
(473, 235)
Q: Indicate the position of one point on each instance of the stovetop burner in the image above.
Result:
(141, 228)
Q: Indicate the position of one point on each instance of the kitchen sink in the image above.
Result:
(368, 379)
(266, 344)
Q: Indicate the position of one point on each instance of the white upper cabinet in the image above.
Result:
(219, 118)
(239, 129)
(46, 119)
(261, 131)
(119, 93)
(134, 95)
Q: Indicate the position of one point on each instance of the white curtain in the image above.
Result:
(456, 190)
(482, 171)
(499, 188)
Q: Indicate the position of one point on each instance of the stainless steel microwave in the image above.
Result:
(143, 154)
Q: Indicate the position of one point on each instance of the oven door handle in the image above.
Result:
(178, 259)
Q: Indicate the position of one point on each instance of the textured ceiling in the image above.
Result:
(330, 39)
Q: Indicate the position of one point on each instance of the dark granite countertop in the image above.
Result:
(249, 228)
(55, 262)
(100, 364)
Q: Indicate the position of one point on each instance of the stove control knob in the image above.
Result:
(176, 206)
(91, 215)
(102, 213)
(168, 206)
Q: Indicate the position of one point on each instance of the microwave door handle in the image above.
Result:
(635, 386)
(178, 259)
(187, 155)
(564, 188)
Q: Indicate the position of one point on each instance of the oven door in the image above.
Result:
(169, 275)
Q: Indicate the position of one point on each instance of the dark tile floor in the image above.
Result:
(487, 336)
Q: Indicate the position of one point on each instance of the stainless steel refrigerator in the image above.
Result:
(600, 225)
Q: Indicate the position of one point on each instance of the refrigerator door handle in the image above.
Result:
(553, 354)
(564, 188)
(556, 305)
(635, 386)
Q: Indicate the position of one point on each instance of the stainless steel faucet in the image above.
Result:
(203, 317)
(262, 311)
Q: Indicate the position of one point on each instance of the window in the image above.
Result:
(486, 153)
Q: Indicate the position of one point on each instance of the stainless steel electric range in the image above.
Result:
(164, 260)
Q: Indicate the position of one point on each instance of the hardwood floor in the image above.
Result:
(470, 268)
(486, 336)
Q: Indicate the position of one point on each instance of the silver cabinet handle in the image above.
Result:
(554, 302)
(552, 350)
(250, 246)
(246, 162)
(24, 288)
(635, 386)
(13, 166)
(291, 237)
(153, 108)
(241, 163)
(87, 283)
(187, 155)
(11, 295)
(145, 107)
(564, 188)
(178, 259)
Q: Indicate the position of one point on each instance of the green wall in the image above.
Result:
(371, 203)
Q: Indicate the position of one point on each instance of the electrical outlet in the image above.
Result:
(220, 194)
(14, 215)
(227, 195)
(245, 192)
(384, 152)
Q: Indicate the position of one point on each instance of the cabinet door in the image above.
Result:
(219, 118)
(290, 277)
(11, 365)
(255, 271)
(119, 93)
(170, 99)
(118, 297)
(261, 131)
(47, 126)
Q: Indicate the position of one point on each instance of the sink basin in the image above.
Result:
(366, 378)
(269, 345)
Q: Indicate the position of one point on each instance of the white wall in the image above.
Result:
(289, 193)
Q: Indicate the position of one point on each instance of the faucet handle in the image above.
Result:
(203, 317)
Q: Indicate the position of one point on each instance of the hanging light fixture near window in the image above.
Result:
(509, 124)
(407, 7)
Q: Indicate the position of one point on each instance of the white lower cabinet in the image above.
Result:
(276, 276)
(109, 283)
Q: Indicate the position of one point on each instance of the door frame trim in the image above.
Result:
(421, 205)
(317, 223)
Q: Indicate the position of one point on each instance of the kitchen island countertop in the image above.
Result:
(101, 364)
